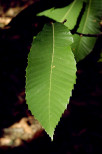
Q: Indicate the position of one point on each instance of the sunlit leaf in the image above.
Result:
(50, 75)
(90, 24)
(70, 12)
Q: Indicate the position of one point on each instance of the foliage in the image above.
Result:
(50, 74)
(89, 23)
(70, 13)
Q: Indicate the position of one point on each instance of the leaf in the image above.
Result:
(100, 58)
(89, 24)
(70, 12)
(50, 75)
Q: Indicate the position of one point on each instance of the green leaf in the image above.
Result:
(89, 24)
(70, 12)
(50, 75)
(100, 59)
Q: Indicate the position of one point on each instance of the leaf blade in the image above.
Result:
(50, 75)
(70, 12)
(89, 24)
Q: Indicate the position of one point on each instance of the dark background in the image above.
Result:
(80, 128)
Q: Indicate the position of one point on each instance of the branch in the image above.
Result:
(89, 35)
(81, 34)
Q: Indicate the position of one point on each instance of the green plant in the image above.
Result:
(51, 70)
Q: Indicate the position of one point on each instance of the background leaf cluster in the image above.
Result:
(50, 74)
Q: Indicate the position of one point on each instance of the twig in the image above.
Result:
(81, 34)
(89, 35)
(64, 21)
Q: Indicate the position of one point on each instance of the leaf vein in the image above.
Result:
(51, 76)
(68, 12)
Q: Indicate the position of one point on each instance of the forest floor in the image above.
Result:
(80, 128)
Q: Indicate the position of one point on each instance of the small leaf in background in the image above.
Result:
(50, 75)
(70, 13)
(100, 59)
(90, 24)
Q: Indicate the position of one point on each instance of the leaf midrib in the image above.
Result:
(87, 16)
(68, 12)
(85, 23)
(53, 42)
